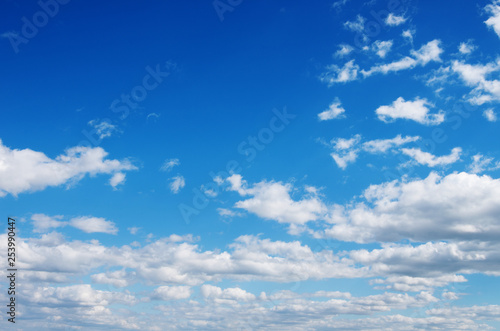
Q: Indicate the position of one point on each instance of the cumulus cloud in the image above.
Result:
(493, 21)
(434, 208)
(430, 160)
(416, 110)
(335, 110)
(28, 171)
(272, 200)
(43, 223)
(167, 293)
(478, 77)
(466, 47)
(384, 145)
(490, 115)
(381, 48)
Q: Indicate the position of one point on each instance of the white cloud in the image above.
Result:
(394, 20)
(93, 224)
(344, 159)
(480, 163)
(335, 110)
(476, 76)
(494, 20)
(430, 160)
(167, 293)
(427, 53)
(357, 26)
(103, 129)
(133, 230)
(383, 145)
(27, 170)
(226, 296)
(335, 74)
(224, 212)
(344, 50)
(416, 284)
(271, 200)
(416, 110)
(177, 183)
(466, 47)
(117, 179)
(408, 34)
(169, 164)
(346, 151)
(490, 115)
(434, 208)
(382, 47)
(43, 223)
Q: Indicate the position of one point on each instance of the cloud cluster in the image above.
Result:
(28, 171)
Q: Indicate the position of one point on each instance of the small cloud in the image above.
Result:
(169, 164)
(490, 115)
(133, 230)
(480, 163)
(381, 48)
(335, 110)
(466, 47)
(227, 212)
(177, 184)
(356, 26)
(394, 20)
(344, 50)
(103, 129)
(42, 223)
(93, 225)
(117, 179)
(416, 110)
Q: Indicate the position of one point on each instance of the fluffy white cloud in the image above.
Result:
(226, 296)
(478, 77)
(344, 159)
(117, 179)
(490, 115)
(416, 110)
(271, 200)
(381, 48)
(93, 224)
(394, 20)
(167, 293)
(434, 208)
(177, 183)
(335, 74)
(430, 160)
(335, 110)
(27, 170)
(494, 20)
(466, 47)
(416, 284)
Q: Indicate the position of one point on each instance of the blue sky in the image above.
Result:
(252, 165)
